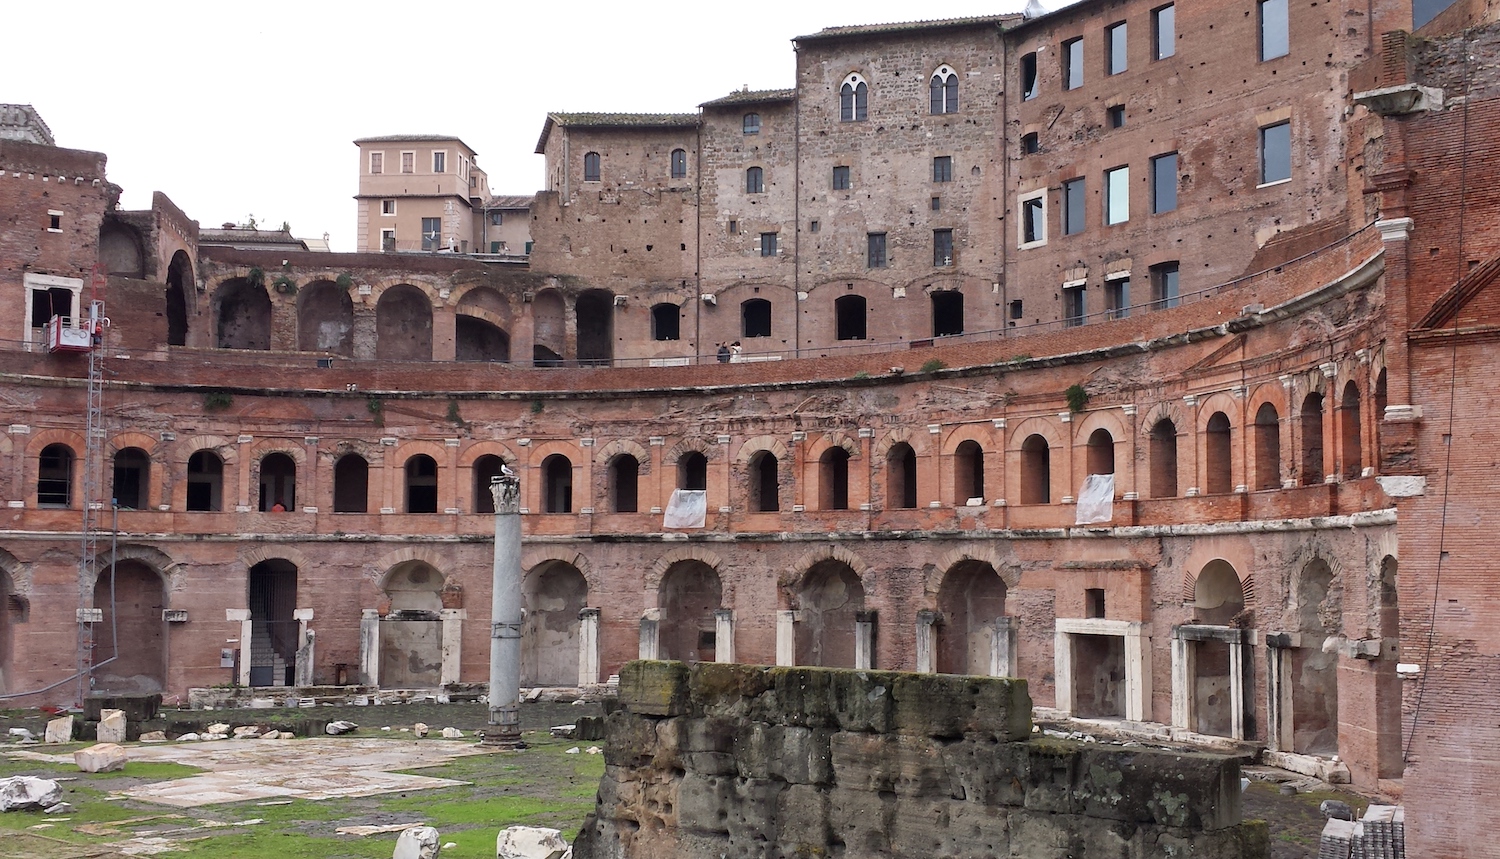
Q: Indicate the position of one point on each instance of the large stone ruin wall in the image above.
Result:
(753, 761)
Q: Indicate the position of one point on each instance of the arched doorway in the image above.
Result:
(554, 593)
(132, 633)
(595, 311)
(972, 600)
(244, 315)
(1218, 600)
(411, 634)
(689, 595)
(830, 596)
(273, 623)
(179, 298)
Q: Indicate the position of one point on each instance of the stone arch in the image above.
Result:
(797, 572)
(181, 298)
(604, 453)
(325, 318)
(261, 554)
(406, 450)
(485, 336)
(1010, 573)
(173, 574)
(677, 555)
(831, 598)
(487, 448)
(684, 446)
(689, 594)
(121, 251)
(242, 315)
(755, 445)
(1219, 593)
(917, 441)
(1044, 427)
(972, 598)
(534, 557)
(120, 441)
(403, 323)
(831, 440)
(379, 570)
(129, 652)
(554, 592)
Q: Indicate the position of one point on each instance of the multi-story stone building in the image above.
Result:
(1223, 479)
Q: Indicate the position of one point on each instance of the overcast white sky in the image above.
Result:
(235, 110)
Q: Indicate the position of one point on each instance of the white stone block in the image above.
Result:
(101, 758)
(420, 729)
(22, 792)
(530, 842)
(111, 726)
(60, 730)
(419, 842)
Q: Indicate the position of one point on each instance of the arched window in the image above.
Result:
(854, 99)
(679, 163)
(624, 482)
(557, 488)
(1350, 448)
(421, 484)
(833, 479)
(665, 322)
(351, 484)
(591, 167)
(765, 483)
(205, 482)
(486, 468)
(751, 124)
(278, 483)
(849, 317)
(692, 471)
(1164, 459)
(968, 472)
(901, 477)
(1101, 452)
(1036, 470)
(1267, 447)
(943, 89)
(755, 318)
(755, 181)
(1219, 459)
(54, 476)
(1312, 440)
(132, 479)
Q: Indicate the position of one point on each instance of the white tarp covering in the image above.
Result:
(687, 509)
(1096, 501)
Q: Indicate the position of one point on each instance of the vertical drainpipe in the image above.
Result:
(797, 205)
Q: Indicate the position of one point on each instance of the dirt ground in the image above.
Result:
(544, 785)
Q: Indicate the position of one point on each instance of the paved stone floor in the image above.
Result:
(315, 768)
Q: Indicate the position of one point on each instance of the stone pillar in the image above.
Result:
(302, 671)
(927, 624)
(650, 646)
(864, 640)
(505, 615)
(1062, 671)
(786, 637)
(242, 617)
(724, 635)
(1237, 692)
(369, 647)
(588, 646)
(1137, 672)
(1279, 692)
(1184, 669)
(1003, 648)
(453, 636)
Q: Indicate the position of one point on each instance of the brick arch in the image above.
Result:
(261, 449)
(380, 285)
(372, 452)
(276, 552)
(170, 572)
(539, 555)
(40, 440)
(19, 574)
(1247, 581)
(1035, 425)
(120, 441)
(684, 446)
(487, 315)
(1109, 420)
(457, 294)
(831, 440)
(468, 455)
(1221, 401)
(540, 452)
(918, 440)
(658, 570)
(222, 447)
(982, 434)
(797, 572)
(380, 570)
(1010, 573)
(624, 445)
(408, 449)
(755, 445)
(676, 297)
(1170, 410)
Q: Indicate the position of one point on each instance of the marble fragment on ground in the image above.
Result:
(101, 758)
(530, 842)
(419, 842)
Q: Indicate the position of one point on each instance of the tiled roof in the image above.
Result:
(907, 27)
(413, 138)
(614, 120)
(510, 201)
(244, 237)
(753, 96)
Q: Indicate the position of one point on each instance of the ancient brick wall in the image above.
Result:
(748, 761)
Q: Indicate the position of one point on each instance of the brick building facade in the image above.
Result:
(1286, 429)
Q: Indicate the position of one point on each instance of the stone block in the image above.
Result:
(101, 758)
(1046, 770)
(904, 765)
(419, 842)
(60, 730)
(632, 740)
(800, 697)
(727, 689)
(803, 814)
(653, 688)
(945, 705)
(1183, 790)
(530, 842)
(24, 792)
(986, 773)
(704, 803)
(752, 814)
(111, 728)
(420, 730)
(154, 737)
(137, 708)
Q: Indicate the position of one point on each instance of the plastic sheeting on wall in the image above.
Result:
(1096, 500)
(687, 509)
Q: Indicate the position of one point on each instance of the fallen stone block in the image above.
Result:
(452, 733)
(101, 758)
(419, 842)
(420, 729)
(218, 728)
(24, 792)
(215, 736)
(22, 733)
(530, 842)
(60, 808)
(338, 727)
(563, 731)
(1334, 809)
(189, 738)
(60, 730)
(251, 731)
(111, 726)
(154, 737)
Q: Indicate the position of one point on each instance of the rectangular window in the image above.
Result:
(54, 221)
(1276, 153)
(942, 247)
(942, 168)
(1117, 195)
(1114, 48)
(388, 240)
(408, 162)
(768, 244)
(1114, 115)
(1117, 298)
(813, 226)
(1072, 63)
(377, 162)
(841, 178)
(432, 233)
(734, 227)
(875, 250)
(1164, 284)
(387, 207)
(1164, 183)
(1074, 305)
(1031, 143)
(1034, 220)
(1028, 77)
(1072, 206)
(1274, 30)
(1163, 32)
(440, 162)
(495, 247)
(497, 219)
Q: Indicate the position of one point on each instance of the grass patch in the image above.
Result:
(263, 843)
(150, 770)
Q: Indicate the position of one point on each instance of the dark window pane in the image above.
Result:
(752, 123)
(942, 247)
(1028, 77)
(1034, 221)
(768, 244)
(1072, 63)
(1115, 44)
(942, 168)
(875, 247)
(1276, 152)
(841, 178)
(1164, 183)
(1073, 206)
